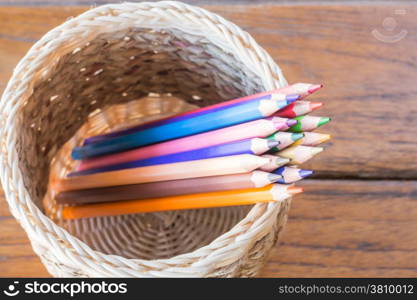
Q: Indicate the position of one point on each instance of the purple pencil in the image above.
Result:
(248, 146)
(259, 128)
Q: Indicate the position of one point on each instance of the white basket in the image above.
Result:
(110, 56)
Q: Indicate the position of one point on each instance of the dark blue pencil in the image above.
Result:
(291, 174)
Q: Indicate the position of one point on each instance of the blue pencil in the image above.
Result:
(184, 116)
(248, 146)
(291, 174)
(229, 116)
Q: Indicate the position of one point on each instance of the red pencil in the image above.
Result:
(298, 108)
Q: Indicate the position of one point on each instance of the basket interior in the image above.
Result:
(95, 88)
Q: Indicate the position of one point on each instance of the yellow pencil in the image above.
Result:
(299, 154)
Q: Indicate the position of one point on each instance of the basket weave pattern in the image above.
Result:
(109, 57)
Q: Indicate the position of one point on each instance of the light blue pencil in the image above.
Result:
(229, 116)
(188, 115)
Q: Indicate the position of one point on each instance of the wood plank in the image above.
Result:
(192, 2)
(349, 229)
(365, 78)
(336, 228)
(17, 258)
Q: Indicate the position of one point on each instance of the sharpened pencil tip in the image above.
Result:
(279, 171)
(323, 121)
(316, 150)
(297, 136)
(274, 177)
(316, 105)
(305, 173)
(314, 88)
(279, 161)
(272, 143)
(295, 190)
(291, 122)
(325, 138)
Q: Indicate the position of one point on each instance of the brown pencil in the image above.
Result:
(169, 188)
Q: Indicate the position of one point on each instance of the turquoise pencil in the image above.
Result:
(229, 116)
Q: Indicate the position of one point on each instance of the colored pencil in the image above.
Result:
(298, 108)
(308, 123)
(299, 154)
(291, 174)
(258, 128)
(254, 179)
(191, 114)
(284, 139)
(274, 192)
(286, 125)
(274, 162)
(247, 146)
(235, 164)
(230, 115)
(312, 139)
(301, 89)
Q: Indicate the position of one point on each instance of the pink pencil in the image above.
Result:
(301, 89)
(258, 128)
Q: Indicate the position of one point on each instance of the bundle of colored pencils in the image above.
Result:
(239, 152)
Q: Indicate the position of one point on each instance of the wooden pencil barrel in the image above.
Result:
(110, 67)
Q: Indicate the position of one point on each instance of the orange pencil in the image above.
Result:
(234, 164)
(274, 192)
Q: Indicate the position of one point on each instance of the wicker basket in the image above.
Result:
(85, 77)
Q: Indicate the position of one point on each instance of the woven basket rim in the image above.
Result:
(29, 69)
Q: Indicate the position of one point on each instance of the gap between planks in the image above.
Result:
(351, 228)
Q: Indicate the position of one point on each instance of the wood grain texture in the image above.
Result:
(338, 227)
(17, 258)
(368, 83)
(349, 228)
(370, 90)
(193, 2)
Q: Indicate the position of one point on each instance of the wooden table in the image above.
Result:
(358, 216)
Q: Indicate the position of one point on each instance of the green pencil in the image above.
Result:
(308, 123)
